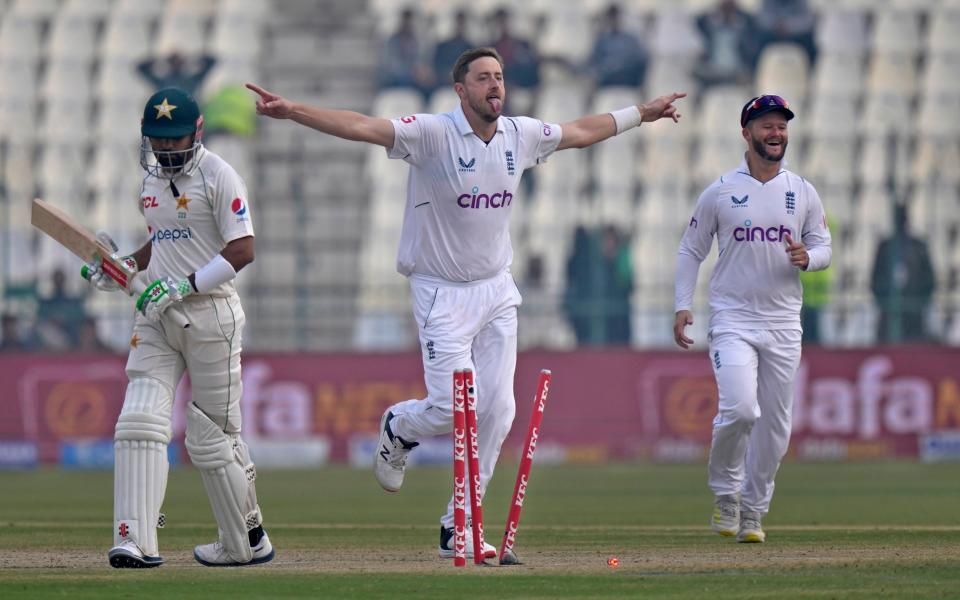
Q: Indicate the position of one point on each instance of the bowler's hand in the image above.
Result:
(270, 104)
(798, 253)
(683, 318)
(661, 108)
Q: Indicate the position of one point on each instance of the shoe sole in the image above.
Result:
(126, 560)
(751, 538)
(376, 456)
(256, 561)
(726, 532)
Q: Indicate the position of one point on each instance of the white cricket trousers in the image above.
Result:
(464, 325)
(755, 372)
(209, 351)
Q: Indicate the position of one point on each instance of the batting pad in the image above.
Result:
(228, 475)
(140, 470)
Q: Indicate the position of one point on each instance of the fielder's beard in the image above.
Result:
(760, 147)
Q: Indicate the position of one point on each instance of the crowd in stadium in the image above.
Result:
(857, 75)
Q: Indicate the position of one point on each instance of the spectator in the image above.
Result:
(403, 64)
(729, 53)
(789, 21)
(521, 65)
(176, 71)
(616, 287)
(228, 111)
(617, 58)
(448, 51)
(12, 339)
(816, 295)
(902, 283)
(599, 286)
(576, 296)
(59, 316)
(88, 340)
(817, 286)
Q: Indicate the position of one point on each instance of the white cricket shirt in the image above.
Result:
(754, 285)
(461, 190)
(193, 219)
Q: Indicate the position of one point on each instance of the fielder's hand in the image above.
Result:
(798, 254)
(93, 271)
(661, 108)
(271, 105)
(683, 318)
(160, 295)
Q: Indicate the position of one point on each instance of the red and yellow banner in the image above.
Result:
(604, 404)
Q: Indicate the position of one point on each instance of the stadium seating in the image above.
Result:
(875, 109)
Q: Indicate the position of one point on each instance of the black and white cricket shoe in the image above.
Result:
(390, 458)
(447, 549)
(128, 555)
(215, 555)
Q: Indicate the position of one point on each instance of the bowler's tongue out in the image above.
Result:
(495, 103)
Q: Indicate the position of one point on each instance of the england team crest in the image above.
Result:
(791, 203)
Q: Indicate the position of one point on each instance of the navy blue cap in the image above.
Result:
(761, 105)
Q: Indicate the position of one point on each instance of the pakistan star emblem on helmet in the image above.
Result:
(164, 109)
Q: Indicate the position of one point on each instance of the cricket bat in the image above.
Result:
(77, 239)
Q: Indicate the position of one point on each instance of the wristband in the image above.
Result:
(212, 274)
(627, 118)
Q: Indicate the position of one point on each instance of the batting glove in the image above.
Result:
(160, 295)
(93, 271)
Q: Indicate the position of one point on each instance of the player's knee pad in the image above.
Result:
(141, 467)
(228, 475)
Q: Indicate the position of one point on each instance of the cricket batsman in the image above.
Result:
(198, 215)
(455, 250)
(769, 225)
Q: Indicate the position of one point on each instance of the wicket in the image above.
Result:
(459, 469)
(507, 556)
(465, 436)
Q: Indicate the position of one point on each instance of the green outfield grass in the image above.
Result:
(865, 530)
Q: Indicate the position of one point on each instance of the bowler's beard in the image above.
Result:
(761, 149)
(482, 108)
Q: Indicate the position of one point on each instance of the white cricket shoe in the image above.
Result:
(726, 515)
(750, 530)
(215, 555)
(390, 458)
(446, 544)
(128, 555)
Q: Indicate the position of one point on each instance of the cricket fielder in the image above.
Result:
(769, 224)
(201, 233)
(465, 169)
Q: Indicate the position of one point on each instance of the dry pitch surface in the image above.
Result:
(836, 530)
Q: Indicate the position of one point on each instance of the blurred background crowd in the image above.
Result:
(874, 84)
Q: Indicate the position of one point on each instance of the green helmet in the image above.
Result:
(170, 113)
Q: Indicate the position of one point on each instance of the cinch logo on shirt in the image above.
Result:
(759, 234)
(170, 234)
(476, 200)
